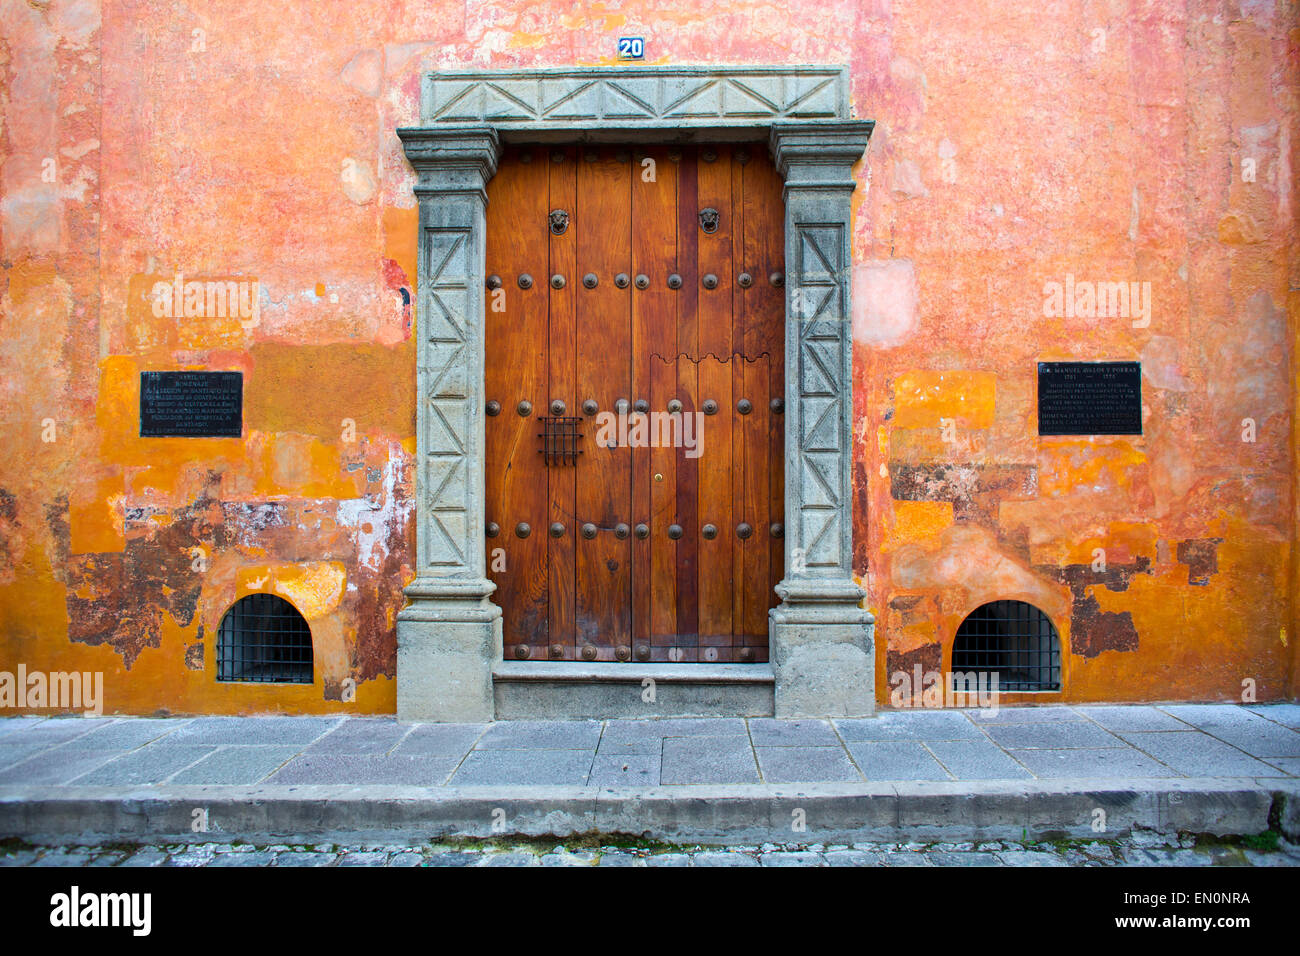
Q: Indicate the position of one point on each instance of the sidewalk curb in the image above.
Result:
(881, 812)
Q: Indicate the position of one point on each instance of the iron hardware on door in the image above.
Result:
(560, 439)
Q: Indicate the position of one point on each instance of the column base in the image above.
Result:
(448, 639)
(822, 650)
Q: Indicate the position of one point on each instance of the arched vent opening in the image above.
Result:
(1013, 639)
(263, 639)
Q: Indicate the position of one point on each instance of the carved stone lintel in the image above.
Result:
(592, 98)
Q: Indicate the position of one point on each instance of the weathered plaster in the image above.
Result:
(1115, 152)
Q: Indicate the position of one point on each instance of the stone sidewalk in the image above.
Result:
(1001, 761)
(1022, 743)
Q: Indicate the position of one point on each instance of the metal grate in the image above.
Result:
(263, 639)
(560, 439)
(1014, 639)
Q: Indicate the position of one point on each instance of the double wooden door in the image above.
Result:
(634, 385)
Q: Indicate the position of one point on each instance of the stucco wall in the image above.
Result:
(1013, 148)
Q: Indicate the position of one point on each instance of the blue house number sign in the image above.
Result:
(631, 48)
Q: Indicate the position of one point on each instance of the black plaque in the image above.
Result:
(191, 404)
(1089, 398)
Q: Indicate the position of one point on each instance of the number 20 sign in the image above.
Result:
(631, 48)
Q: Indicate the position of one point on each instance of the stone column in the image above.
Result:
(449, 634)
(821, 637)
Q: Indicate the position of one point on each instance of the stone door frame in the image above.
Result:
(449, 635)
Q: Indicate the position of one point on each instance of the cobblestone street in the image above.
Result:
(1141, 850)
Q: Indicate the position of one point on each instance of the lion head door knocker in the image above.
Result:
(559, 221)
(709, 220)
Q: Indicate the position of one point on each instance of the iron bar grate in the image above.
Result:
(560, 438)
(263, 639)
(1014, 639)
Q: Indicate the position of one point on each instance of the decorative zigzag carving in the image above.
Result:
(445, 320)
(631, 95)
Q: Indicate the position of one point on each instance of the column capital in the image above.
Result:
(819, 152)
(451, 159)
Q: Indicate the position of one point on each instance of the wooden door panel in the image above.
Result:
(717, 578)
(651, 597)
(654, 348)
(716, 573)
(714, 254)
(761, 312)
(688, 346)
(515, 370)
(562, 482)
(663, 514)
(601, 222)
(753, 473)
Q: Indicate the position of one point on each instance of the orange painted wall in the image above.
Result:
(1015, 145)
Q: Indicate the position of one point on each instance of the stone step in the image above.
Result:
(548, 690)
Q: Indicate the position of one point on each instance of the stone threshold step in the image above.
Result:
(572, 690)
(605, 672)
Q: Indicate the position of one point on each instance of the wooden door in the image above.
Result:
(634, 377)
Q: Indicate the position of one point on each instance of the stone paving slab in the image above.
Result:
(50, 732)
(769, 732)
(56, 767)
(897, 760)
(541, 735)
(143, 766)
(232, 765)
(1023, 715)
(625, 770)
(805, 764)
(442, 739)
(1247, 731)
(1286, 714)
(647, 736)
(524, 768)
(1193, 753)
(1133, 717)
(250, 731)
(911, 725)
(1052, 735)
(361, 736)
(1106, 763)
(977, 760)
(692, 760)
(13, 752)
(26, 724)
(359, 769)
(129, 734)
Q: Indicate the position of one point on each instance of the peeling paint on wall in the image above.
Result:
(1167, 560)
